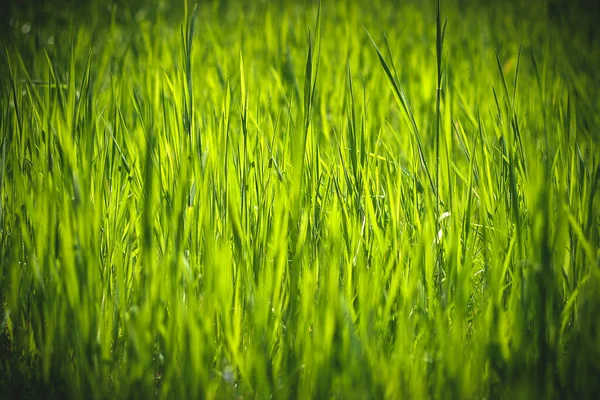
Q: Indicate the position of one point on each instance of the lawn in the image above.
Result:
(271, 199)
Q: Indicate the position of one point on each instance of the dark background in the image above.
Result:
(577, 15)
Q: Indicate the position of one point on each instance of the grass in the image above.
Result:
(337, 200)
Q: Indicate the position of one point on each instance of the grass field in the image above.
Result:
(346, 200)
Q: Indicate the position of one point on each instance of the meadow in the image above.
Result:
(382, 199)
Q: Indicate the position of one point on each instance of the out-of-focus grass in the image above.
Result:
(277, 200)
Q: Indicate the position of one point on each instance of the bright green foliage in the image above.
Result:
(277, 200)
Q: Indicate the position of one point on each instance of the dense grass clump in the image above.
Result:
(346, 200)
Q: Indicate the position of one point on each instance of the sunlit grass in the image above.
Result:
(329, 201)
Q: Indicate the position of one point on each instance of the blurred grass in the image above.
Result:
(268, 200)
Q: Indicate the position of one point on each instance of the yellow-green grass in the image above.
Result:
(346, 200)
